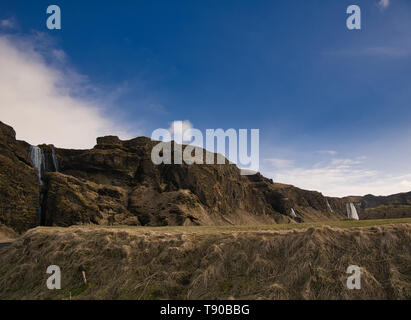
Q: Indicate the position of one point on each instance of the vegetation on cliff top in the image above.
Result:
(267, 262)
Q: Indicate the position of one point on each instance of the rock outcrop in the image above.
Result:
(19, 186)
(384, 207)
(117, 183)
(159, 195)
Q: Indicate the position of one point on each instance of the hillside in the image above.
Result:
(116, 183)
(393, 206)
(265, 262)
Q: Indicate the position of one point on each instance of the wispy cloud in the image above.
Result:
(327, 152)
(47, 101)
(9, 23)
(383, 4)
(279, 163)
(338, 177)
(391, 51)
(385, 51)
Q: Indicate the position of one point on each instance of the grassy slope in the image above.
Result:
(272, 227)
(306, 261)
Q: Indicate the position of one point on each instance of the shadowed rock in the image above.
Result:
(117, 183)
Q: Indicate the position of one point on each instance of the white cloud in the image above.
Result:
(177, 129)
(344, 163)
(279, 163)
(46, 102)
(339, 177)
(328, 152)
(383, 4)
(9, 23)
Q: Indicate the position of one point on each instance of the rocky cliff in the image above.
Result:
(118, 179)
(381, 207)
(19, 187)
(117, 183)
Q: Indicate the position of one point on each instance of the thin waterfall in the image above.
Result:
(40, 208)
(293, 213)
(328, 205)
(39, 163)
(38, 160)
(55, 161)
(352, 212)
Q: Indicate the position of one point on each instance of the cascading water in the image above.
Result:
(328, 206)
(38, 161)
(37, 158)
(42, 163)
(293, 214)
(352, 212)
(55, 161)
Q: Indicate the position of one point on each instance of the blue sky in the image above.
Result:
(332, 105)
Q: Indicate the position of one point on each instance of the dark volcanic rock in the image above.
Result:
(19, 186)
(117, 183)
(393, 206)
(186, 194)
(70, 200)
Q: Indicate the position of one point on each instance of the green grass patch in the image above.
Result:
(254, 228)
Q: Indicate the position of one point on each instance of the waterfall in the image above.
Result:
(37, 158)
(352, 212)
(39, 210)
(42, 163)
(293, 213)
(39, 163)
(328, 205)
(55, 161)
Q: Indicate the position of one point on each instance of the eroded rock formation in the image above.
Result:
(117, 183)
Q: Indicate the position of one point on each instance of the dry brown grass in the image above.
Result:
(210, 262)
(7, 234)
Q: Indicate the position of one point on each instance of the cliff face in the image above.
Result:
(120, 180)
(19, 186)
(117, 183)
(393, 206)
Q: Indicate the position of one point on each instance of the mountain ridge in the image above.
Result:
(116, 182)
